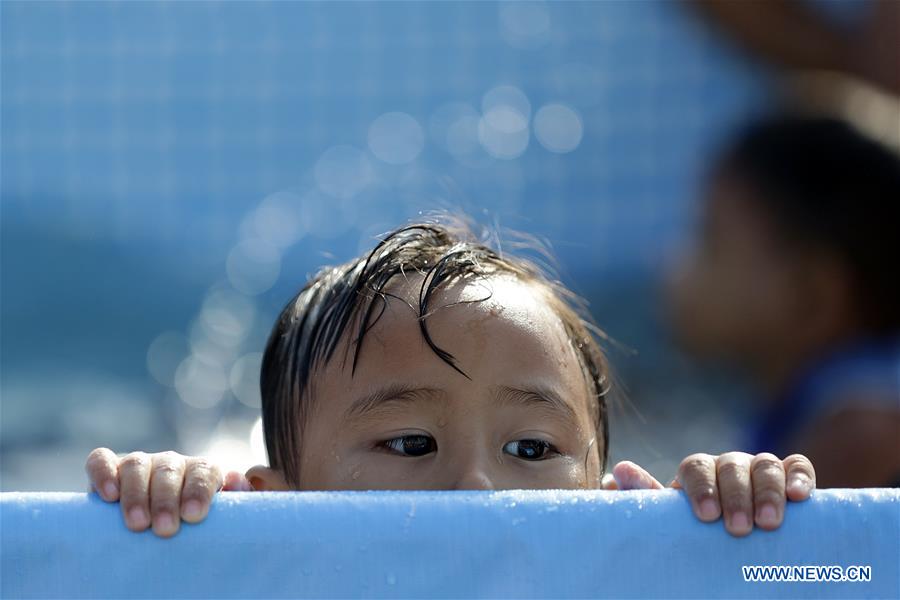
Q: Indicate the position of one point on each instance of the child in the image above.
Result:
(795, 280)
(435, 362)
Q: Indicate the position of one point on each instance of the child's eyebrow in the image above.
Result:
(527, 396)
(392, 394)
(537, 395)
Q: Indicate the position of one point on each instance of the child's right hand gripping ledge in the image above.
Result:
(160, 488)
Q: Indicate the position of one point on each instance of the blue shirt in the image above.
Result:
(867, 369)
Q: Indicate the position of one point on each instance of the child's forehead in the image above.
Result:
(502, 334)
(500, 331)
(490, 293)
(498, 305)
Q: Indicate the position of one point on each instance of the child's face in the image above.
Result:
(408, 420)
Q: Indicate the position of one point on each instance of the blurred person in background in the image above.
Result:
(799, 35)
(793, 278)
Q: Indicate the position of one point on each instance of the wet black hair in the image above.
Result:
(348, 299)
(827, 184)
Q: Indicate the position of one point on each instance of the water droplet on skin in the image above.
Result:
(442, 422)
(355, 475)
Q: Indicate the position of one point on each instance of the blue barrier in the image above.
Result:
(442, 544)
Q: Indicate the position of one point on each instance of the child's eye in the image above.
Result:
(530, 449)
(411, 445)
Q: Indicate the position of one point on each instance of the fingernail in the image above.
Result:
(137, 517)
(164, 523)
(766, 514)
(708, 509)
(739, 522)
(192, 509)
(800, 483)
(109, 489)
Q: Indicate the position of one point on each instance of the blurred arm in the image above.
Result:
(793, 35)
(855, 447)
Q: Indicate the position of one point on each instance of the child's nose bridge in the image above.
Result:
(474, 479)
(475, 468)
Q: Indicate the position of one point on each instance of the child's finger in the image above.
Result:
(202, 479)
(166, 481)
(630, 476)
(800, 477)
(608, 482)
(767, 476)
(134, 481)
(102, 467)
(236, 482)
(697, 475)
(736, 492)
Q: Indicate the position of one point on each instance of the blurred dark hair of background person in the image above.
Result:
(793, 278)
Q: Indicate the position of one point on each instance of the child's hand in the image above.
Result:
(160, 488)
(748, 489)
